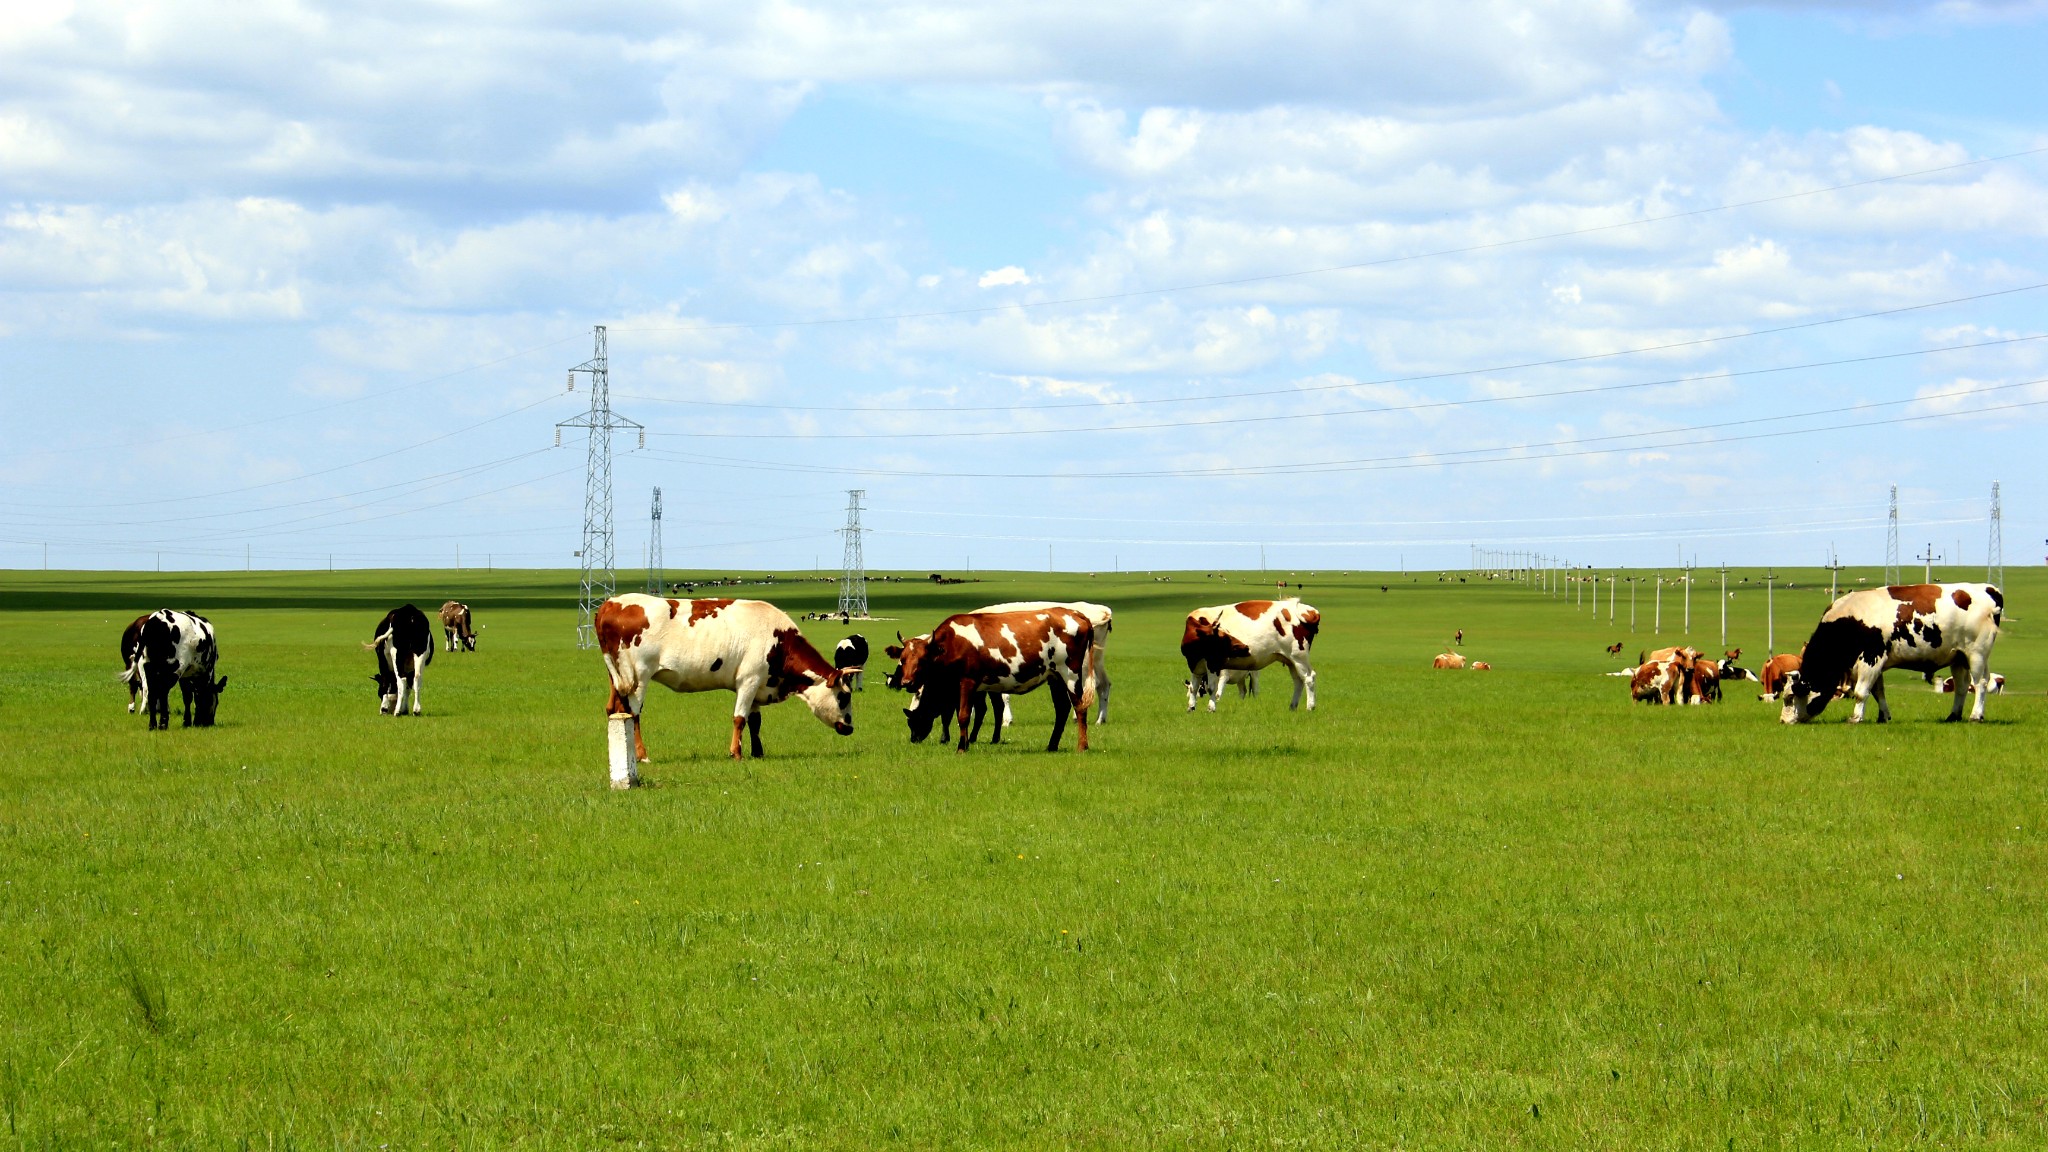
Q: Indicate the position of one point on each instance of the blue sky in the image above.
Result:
(289, 281)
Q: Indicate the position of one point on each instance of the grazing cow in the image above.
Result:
(1448, 660)
(1703, 683)
(404, 644)
(175, 647)
(1007, 652)
(1920, 627)
(1948, 684)
(1657, 682)
(131, 658)
(455, 625)
(750, 648)
(1776, 669)
(1101, 619)
(1248, 636)
(904, 651)
(850, 656)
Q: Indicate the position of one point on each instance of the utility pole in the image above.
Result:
(1596, 595)
(1631, 605)
(1657, 628)
(1834, 572)
(1994, 552)
(1724, 605)
(1928, 557)
(599, 579)
(1891, 541)
(1771, 611)
(655, 576)
(853, 569)
(1610, 599)
(1688, 602)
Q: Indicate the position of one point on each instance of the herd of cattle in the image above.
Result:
(973, 661)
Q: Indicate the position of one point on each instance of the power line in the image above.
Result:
(1388, 409)
(1376, 263)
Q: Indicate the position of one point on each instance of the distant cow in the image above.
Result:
(1920, 627)
(1775, 670)
(131, 658)
(1248, 636)
(404, 644)
(851, 657)
(455, 625)
(1449, 660)
(750, 648)
(173, 647)
(1481, 666)
(1948, 684)
(1007, 652)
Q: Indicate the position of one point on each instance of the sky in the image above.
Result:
(1319, 286)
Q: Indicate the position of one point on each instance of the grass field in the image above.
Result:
(1445, 910)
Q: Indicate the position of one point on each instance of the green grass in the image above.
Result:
(1446, 910)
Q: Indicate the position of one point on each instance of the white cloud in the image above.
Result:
(1002, 277)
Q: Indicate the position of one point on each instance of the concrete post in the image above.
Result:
(619, 738)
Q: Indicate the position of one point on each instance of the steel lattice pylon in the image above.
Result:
(853, 576)
(654, 573)
(1891, 542)
(1994, 556)
(600, 578)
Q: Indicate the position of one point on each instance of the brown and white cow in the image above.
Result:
(1920, 627)
(1245, 637)
(456, 626)
(750, 648)
(1451, 661)
(1948, 684)
(1774, 672)
(1101, 619)
(1001, 652)
(1657, 682)
(910, 651)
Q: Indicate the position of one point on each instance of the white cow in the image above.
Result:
(748, 647)
(1245, 637)
(1099, 618)
(1921, 627)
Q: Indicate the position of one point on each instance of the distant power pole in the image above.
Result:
(655, 581)
(1928, 557)
(853, 571)
(1891, 542)
(1771, 611)
(1724, 605)
(1994, 555)
(1688, 601)
(599, 579)
(1657, 625)
(1834, 572)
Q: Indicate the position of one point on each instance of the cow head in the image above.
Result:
(1801, 701)
(387, 686)
(206, 700)
(908, 654)
(1197, 687)
(831, 701)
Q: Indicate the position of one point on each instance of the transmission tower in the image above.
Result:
(600, 579)
(1891, 542)
(654, 574)
(1994, 556)
(853, 576)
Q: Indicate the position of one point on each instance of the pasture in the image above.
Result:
(1445, 910)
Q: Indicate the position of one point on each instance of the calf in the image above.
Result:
(455, 625)
(750, 648)
(404, 644)
(1007, 652)
(1920, 627)
(906, 651)
(851, 657)
(1248, 636)
(1948, 684)
(178, 648)
(1776, 669)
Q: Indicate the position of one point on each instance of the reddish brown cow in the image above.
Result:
(1010, 652)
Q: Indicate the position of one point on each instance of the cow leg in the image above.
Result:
(1980, 684)
(1300, 685)
(1214, 684)
(999, 707)
(419, 668)
(1080, 714)
(1101, 690)
(1884, 708)
(1062, 700)
(962, 710)
(1196, 687)
(754, 732)
(744, 692)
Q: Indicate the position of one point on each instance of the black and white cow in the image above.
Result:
(173, 647)
(851, 657)
(131, 658)
(1920, 627)
(455, 624)
(404, 644)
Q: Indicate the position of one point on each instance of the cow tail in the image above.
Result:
(1087, 692)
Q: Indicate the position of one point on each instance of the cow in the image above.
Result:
(1001, 652)
(1948, 684)
(1247, 636)
(131, 659)
(1657, 682)
(1481, 666)
(1776, 669)
(1703, 683)
(851, 657)
(404, 644)
(1688, 659)
(1101, 619)
(455, 625)
(1247, 681)
(1920, 627)
(906, 650)
(750, 648)
(174, 647)
(1448, 660)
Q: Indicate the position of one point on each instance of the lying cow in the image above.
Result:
(1451, 661)
(750, 648)
(1248, 636)
(1006, 652)
(173, 647)
(455, 625)
(1775, 670)
(404, 644)
(1657, 682)
(1921, 627)
(850, 656)
(1948, 684)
